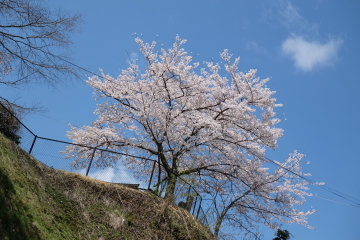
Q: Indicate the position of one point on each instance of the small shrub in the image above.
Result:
(9, 125)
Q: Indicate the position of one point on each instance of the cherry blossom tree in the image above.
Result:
(208, 125)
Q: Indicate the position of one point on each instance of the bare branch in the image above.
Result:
(29, 34)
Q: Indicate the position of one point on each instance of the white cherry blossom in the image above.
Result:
(204, 123)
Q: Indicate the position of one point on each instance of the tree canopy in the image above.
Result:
(9, 125)
(282, 235)
(204, 124)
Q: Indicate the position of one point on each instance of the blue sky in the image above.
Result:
(309, 49)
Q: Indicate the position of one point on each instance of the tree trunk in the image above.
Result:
(225, 211)
(218, 226)
(170, 190)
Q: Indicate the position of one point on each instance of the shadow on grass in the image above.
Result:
(13, 225)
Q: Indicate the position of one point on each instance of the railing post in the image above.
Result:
(32, 145)
(197, 215)
(196, 200)
(152, 173)
(92, 156)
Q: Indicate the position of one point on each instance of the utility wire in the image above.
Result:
(333, 191)
(331, 200)
(84, 69)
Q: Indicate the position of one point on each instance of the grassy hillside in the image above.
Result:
(38, 202)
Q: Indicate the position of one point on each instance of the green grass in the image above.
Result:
(38, 202)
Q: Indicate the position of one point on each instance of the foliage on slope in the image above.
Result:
(38, 202)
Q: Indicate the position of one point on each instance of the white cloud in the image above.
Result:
(106, 174)
(308, 55)
(290, 13)
(119, 174)
(254, 46)
(289, 16)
